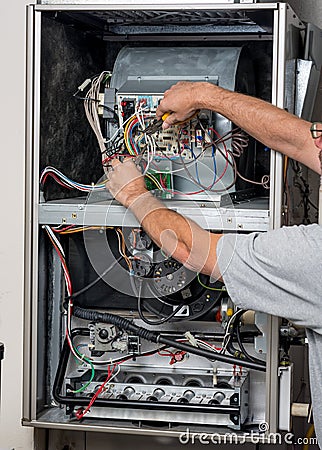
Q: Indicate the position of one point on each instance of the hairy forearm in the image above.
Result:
(272, 126)
(176, 235)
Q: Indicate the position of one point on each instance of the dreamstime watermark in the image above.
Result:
(260, 436)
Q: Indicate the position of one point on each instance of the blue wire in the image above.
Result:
(196, 163)
(74, 183)
(215, 165)
(136, 147)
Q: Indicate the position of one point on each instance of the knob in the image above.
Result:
(103, 333)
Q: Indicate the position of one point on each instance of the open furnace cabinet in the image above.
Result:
(118, 336)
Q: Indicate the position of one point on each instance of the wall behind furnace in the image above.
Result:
(307, 10)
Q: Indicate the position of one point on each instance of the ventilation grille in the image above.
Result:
(172, 17)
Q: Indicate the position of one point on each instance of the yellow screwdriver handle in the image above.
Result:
(167, 114)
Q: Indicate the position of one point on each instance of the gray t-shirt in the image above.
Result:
(280, 273)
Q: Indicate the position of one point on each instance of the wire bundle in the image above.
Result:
(130, 139)
(110, 375)
(66, 182)
(233, 329)
(91, 105)
(61, 254)
(239, 142)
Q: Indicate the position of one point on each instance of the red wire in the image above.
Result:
(135, 121)
(162, 181)
(226, 152)
(218, 179)
(109, 158)
(63, 229)
(165, 353)
(63, 262)
(49, 174)
(81, 413)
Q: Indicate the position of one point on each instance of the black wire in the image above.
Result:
(211, 355)
(124, 358)
(90, 99)
(231, 163)
(208, 188)
(154, 322)
(235, 330)
(231, 330)
(242, 347)
(303, 386)
(155, 336)
(89, 286)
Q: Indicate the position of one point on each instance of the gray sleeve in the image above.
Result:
(278, 272)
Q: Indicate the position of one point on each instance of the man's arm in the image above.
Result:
(270, 125)
(176, 235)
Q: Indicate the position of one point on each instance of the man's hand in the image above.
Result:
(125, 182)
(182, 100)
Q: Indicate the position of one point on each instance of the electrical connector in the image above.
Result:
(84, 85)
(192, 340)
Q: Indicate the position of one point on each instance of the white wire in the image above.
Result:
(69, 325)
(150, 155)
(121, 128)
(206, 345)
(54, 238)
(68, 322)
(114, 374)
(227, 334)
(91, 108)
(119, 242)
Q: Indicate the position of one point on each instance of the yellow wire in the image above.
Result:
(208, 287)
(77, 230)
(308, 436)
(155, 181)
(119, 232)
(123, 249)
(126, 138)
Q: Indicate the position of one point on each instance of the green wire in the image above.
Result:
(163, 254)
(107, 76)
(81, 389)
(208, 287)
